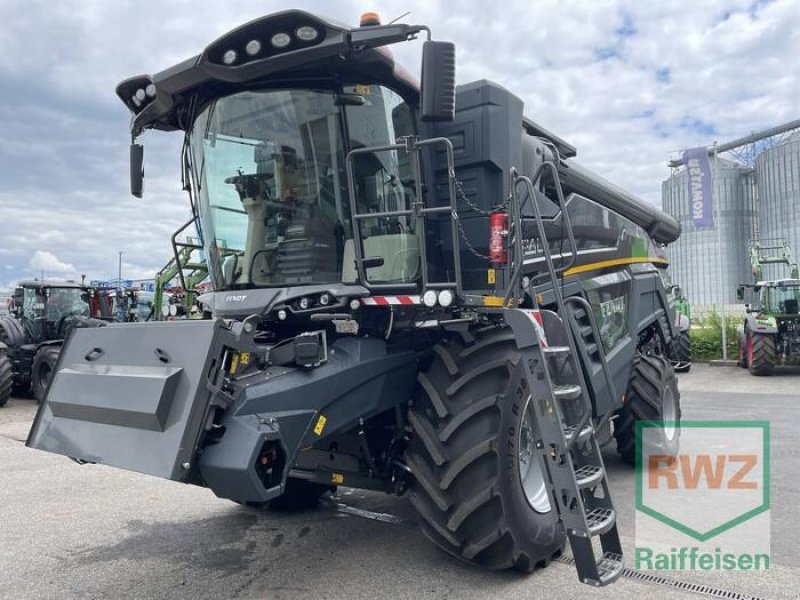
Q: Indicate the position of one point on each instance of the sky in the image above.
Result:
(629, 83)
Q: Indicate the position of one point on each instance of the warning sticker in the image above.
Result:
(320, 426)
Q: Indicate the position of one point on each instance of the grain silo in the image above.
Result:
(778, 184)
(702, 260)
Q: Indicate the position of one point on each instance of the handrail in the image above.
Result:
(561, 302)
(600, 350)
(175, 245)
(516, 206)
(418, 210)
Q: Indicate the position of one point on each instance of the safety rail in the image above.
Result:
(418, 211)
(516, 259)
(551, 271)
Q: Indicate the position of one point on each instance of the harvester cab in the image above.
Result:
(414, 289)
(770, 333)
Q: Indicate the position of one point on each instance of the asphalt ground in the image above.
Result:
(92, 531)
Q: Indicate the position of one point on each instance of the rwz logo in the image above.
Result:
(717, 483)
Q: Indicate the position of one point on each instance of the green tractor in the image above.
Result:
(770, 334)
(416, 290)
(43, 314)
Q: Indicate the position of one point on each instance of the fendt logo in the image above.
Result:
(708, 507)
(236, 298)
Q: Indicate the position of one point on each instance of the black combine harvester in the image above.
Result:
(416, 289)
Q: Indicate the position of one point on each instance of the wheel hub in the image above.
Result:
(530, 468)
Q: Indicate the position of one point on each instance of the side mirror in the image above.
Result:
(438, 81)
(740, 293)
(137, 170)
(748, 308)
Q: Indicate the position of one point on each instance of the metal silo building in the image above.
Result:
(778, 183)
(702, 260)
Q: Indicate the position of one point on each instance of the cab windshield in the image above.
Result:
(64, 302)
(783, 299)
(271, 183)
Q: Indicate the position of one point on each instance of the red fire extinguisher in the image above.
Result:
(498, 230)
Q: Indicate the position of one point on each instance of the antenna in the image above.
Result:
(405, 14)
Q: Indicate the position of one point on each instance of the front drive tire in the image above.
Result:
(652, 396)
(43, 369)
(467, 430)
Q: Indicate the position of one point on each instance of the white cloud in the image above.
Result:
(42, 260)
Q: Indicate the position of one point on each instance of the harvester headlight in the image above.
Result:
(429, 298)
(150, 90)
(253, 47)
(140, 94)
(355, 304)
(173, 310)
(304, 303)
(445, 298)
(136, 100)
(281, 40)
(282, 315)
(229, 57)
(307, 33)
(325, 299)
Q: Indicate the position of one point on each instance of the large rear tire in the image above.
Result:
(43, 369)
(652, 396)
(760, 353)
(6, 378)
(478, 484)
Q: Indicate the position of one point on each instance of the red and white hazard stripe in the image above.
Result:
(538, 324)
(390, 300)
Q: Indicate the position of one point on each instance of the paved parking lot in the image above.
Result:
(92, 531)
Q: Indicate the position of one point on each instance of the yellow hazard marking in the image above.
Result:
(244, 358)
(492, 301)
(320, 424)
(337, 478)
(490, 276)
(234, 363)
(615, 263)
(364, 90)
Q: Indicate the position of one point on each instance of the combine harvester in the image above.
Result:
(416, 290)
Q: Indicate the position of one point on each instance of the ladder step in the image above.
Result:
(567, 392)
(589, 476)
(609, 567)
(583, 435)
(586, 331)
(600, 520)
(558, 351)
